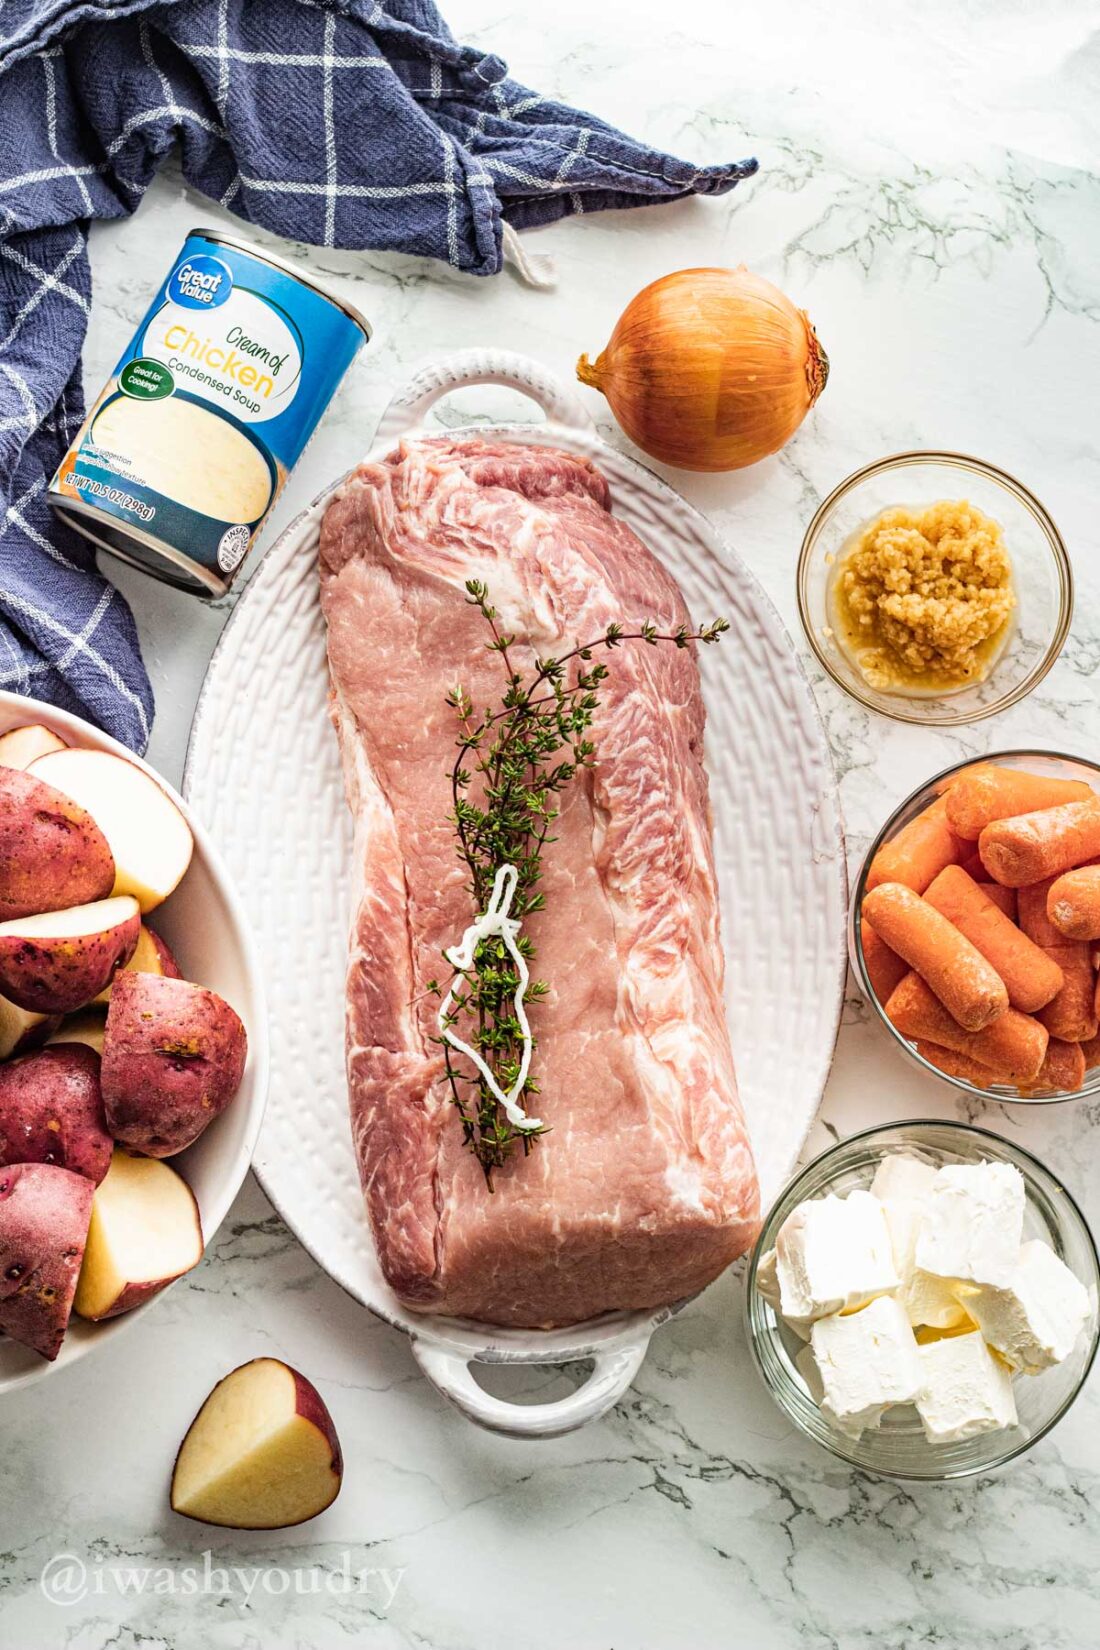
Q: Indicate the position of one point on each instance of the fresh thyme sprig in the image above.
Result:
(522, 754)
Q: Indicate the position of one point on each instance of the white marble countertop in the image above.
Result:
(925, 191)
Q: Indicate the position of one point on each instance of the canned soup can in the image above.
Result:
(184, 453)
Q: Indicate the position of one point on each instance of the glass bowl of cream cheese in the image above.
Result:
(922, 1300)
(934, 588)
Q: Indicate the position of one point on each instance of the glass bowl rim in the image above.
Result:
(1038, 1171)
(1043, 520)
(987, 1096)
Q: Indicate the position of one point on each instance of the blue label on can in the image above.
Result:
(211, 405)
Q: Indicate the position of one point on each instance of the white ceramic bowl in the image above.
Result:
(205, 926)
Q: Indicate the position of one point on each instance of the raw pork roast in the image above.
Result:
(644, 1188)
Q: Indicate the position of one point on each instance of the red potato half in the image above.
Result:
(20, 1029)
(52, 852)
(145, 1233)
(57, 961)
(51, 1111)
(173, 1058)
(150, 956)
(22, 746)
(44, 1214)
(261, 1454)
(87, 1027)
(149, 837)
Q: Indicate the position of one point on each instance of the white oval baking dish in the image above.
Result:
(780, 856)
(207, 930)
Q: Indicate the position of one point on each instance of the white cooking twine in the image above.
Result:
(494, 920)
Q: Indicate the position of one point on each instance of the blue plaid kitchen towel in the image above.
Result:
(352, 123)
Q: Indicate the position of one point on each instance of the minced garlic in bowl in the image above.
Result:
(923, 598)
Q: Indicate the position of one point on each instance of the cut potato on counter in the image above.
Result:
(44, 1213)
(150, 956)
(149, 837)
(173, 1058)
(145, 1233)
(51, 1111)
(20, 1029)
(22, 746)
(57, 961)
(52, 852)
(261, 1454)
(87, 1027)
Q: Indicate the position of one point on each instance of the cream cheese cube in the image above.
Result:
(867, 1361)
(1034, 1322)
(927, 1299)
(833, 1255)
(806, 1365)
(901, 1176)
(965, 1389)
(767, 1280)
(930, 1302)
(767, 1284)
(973, 1223)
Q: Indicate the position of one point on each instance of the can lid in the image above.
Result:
(287, 268)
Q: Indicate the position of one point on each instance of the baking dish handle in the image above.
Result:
(450, 1374)
(411, 405)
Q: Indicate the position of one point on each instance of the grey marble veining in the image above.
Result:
(929, 192)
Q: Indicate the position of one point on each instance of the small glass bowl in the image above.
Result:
(1056, 766)
(1041, 570)
(898, 1447)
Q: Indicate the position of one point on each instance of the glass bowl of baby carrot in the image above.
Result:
(934, 588)
(975, 927)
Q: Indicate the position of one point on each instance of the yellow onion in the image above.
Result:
(710, 369)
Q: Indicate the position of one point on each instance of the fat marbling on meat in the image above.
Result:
(643, 1189)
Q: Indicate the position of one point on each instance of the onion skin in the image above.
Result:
(710, 369)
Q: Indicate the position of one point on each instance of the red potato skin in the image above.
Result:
(56, 976)
(32, 1036)
(309, 1404)
(173, 1059)
(44, 1216)
(51, 1111)
(169, 966)
(134, 1295)
(52, 852)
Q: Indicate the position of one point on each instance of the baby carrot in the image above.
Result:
(1032, 913)
(1063, 1067)
(1032, 846)
(884, 967)
(1003, 898)
(1091, 1052)
(955, 1065)
(1012, 1048)
(918, 852)
(989, 793)
(1073, 904)
(1071, 1015)
(1031, 977)
(966, 984)
(973, 866)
